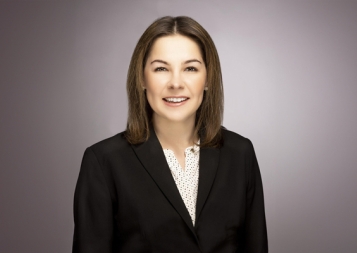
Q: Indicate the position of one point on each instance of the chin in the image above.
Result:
(176, 117)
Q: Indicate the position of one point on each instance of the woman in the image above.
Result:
(175, 180)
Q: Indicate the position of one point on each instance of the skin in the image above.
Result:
(175, 67)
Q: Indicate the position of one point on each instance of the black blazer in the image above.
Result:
(126, 200)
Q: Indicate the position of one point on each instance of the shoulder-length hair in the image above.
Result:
(209, 115)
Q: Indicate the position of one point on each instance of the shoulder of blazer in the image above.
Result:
(114, 145)
(236, 141)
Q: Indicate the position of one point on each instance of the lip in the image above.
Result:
(176, 97)
(175, 104)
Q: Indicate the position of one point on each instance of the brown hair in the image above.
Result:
(209, 115)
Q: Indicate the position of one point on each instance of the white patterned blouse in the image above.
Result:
(186, 180)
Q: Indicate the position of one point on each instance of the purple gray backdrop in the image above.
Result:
(290, 81)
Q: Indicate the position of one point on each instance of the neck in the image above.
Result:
(175, 134)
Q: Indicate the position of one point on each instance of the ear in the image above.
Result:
(143, 86)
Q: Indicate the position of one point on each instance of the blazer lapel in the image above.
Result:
(152, 157)
(209, 158)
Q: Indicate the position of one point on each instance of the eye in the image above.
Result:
(160, 69)
(191, 69)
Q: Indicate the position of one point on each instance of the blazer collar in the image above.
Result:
(151, 155)
(208, 165)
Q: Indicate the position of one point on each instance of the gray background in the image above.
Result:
(290, 80)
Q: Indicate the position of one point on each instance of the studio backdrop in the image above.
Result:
(290, 86)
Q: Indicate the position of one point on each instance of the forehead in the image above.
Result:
(175, 47)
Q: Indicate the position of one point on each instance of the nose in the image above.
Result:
(176, 81)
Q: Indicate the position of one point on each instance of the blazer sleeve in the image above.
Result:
(256, 240)
(93, 212)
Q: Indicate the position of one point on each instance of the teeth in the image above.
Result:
(175, 100)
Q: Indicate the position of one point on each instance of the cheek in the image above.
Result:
(200, 89)
(198, 94)
(149, 82)
(198, 86)
(153, 94)
(200, 98)
(151, 97)
(154, 83)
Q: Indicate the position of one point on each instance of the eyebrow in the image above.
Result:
(164, 62)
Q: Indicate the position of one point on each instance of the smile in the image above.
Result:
(175, 100)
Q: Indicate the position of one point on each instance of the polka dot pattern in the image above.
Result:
(186, 180)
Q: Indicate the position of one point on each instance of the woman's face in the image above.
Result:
(174, 78)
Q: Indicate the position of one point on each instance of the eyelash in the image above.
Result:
(159, 69)
(190, 69)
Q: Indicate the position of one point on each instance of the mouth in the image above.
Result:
(175, 99)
